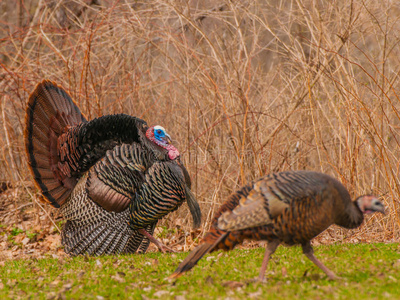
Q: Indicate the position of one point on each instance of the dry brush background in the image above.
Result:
(245, 88)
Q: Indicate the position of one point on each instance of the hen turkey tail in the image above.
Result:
(217, 239)
(50, 110)
(194, 256)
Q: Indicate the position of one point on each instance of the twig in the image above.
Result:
(15, 209)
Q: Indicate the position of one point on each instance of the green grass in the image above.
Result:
(369, 271)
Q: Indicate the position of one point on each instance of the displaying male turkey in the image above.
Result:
(112, 177)
(289, 207)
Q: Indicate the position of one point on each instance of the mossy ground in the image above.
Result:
(369, 271)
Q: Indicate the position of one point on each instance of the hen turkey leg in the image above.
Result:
(309, 252)
(271, 247)
(160, 245)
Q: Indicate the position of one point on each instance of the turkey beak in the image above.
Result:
(381, 210)
(167, 139)
(379, 207)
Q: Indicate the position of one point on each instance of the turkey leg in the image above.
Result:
(309, 252)
(160, 245)
(271, 247)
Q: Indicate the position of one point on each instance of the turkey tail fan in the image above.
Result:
(49, 111)
(196, 254)
(61, 144)
(100, 238)
(193, 207)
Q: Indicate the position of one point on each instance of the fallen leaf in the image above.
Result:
(178, 222)
(66, 287)
(233, 284)
(12, 282)
(210, 258)
(118, 278)
(256, 294)
(209, 280)
(160, 293)
(397, 264)
(54, 283)
(51, 295)
(147, 288)
(52, 241)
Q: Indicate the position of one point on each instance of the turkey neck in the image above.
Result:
(160, 153)
(350, 217)
(347, 212)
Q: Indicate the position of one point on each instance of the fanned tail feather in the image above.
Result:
(76, 239)
(49, 111)
(109, 241)
(91, 229)
(100, 239)
(103, 242)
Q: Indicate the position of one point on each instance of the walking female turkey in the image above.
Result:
(112, 177)
(289, 207)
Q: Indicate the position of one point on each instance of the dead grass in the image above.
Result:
(244, 87)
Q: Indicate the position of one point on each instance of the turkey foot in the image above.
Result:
(271, 247)
(160, 245)
(309, 252)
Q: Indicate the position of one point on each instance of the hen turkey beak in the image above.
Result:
(379, 207)
(381, 210)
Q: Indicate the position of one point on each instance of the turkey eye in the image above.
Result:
(159, 131)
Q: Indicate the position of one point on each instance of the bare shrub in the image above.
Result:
(244, 87)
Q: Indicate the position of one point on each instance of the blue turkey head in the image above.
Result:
(161, 135)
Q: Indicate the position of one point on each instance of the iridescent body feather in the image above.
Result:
(112, 177)
(289, 207)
